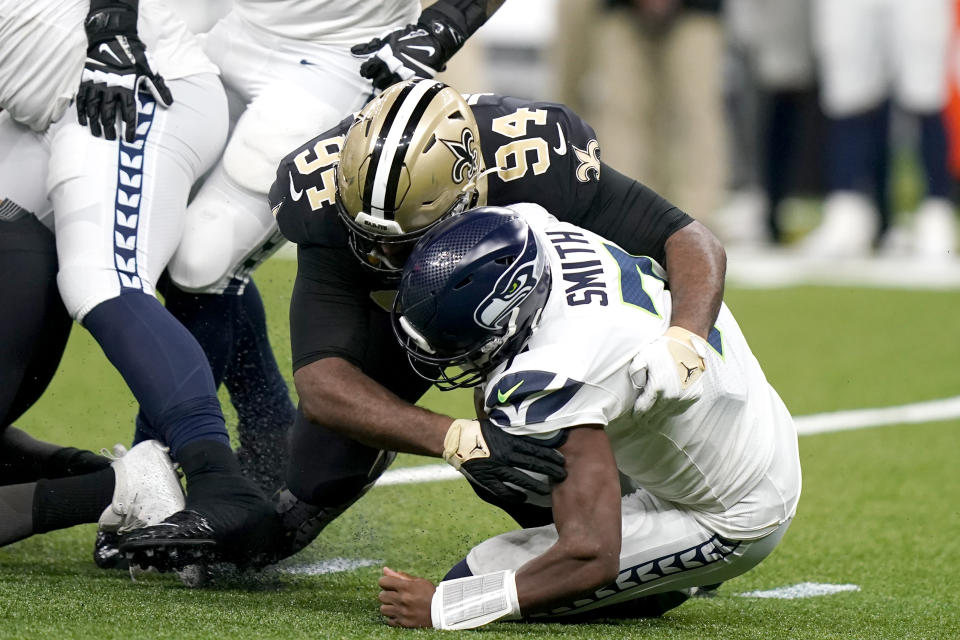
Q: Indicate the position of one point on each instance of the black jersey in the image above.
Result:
(544, 153)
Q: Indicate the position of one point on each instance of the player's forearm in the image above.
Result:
(340, 396)
(696, 266)
(563, 574)
(586, 508)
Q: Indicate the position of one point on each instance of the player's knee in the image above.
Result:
(204, 259)
(276, 122)
(197, 271)
(84, 287)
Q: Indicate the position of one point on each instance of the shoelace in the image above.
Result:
(115, 453)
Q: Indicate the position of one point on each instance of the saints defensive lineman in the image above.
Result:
(116, 203)
(290, 72)
(560, 326)
(357, 197)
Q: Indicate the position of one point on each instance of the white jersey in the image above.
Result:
(732, 461)
(43, 47)
(334, 22)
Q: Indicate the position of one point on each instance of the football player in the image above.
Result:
(31, 343)
(559, 328)
(290, 72)
(357, 197)
(116, 200)
(872, 52)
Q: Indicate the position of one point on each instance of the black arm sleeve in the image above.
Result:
(107, 18)
(632, 215)
(329, 307)
(458, 20)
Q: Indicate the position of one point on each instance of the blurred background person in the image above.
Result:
(870, 51)
(952, 109)
(648, 74)
(776, 127)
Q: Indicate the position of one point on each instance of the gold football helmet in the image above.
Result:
(410, 159)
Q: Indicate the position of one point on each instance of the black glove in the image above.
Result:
(417, 50)
(115, 69)
(489, 457)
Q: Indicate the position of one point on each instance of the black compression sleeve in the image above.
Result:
(108, 18)
(460, 19)
(329, 306)
(633, 215)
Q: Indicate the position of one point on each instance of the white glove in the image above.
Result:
(668, 370)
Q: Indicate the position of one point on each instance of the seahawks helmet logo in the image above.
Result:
(512, 288)
(465, 152)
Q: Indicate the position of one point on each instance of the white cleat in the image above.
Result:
(147, 489)
(935, 230)
(848, 229)
(742, 221)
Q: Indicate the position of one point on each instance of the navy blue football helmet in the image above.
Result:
(471, 293)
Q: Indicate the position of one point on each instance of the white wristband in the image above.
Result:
(467, 603)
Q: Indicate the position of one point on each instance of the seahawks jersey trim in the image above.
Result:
(531, 392)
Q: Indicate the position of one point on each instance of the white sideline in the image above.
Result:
(778, 268)
(932, 411)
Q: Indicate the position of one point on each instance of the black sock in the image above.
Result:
(64, 502)
(69, 461)
(233, 505)
(22, 457)
(16, 512)
(213, 473)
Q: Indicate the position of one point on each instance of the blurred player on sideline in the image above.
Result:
(116, 200)
(871, 52)
(662, 493)
(290, 71)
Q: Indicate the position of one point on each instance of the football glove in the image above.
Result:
(668, 369)
(417, 50)
(116, 68)
(490, 458)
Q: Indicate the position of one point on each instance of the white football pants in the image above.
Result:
(117, 208)
(664, 548)
(871, 49)
(283, 92)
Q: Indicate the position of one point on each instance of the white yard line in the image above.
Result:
(932, 411)
(802, 590)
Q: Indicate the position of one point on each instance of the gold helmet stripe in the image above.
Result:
(399, 129)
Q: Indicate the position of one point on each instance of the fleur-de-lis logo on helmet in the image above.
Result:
(466, 156)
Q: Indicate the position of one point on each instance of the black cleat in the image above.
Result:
(300, 522)
(185, 538)
(106, 552)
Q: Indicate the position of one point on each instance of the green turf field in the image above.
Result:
(880, 507)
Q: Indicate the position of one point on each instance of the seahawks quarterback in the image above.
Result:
(557, 323)
(356, 198)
